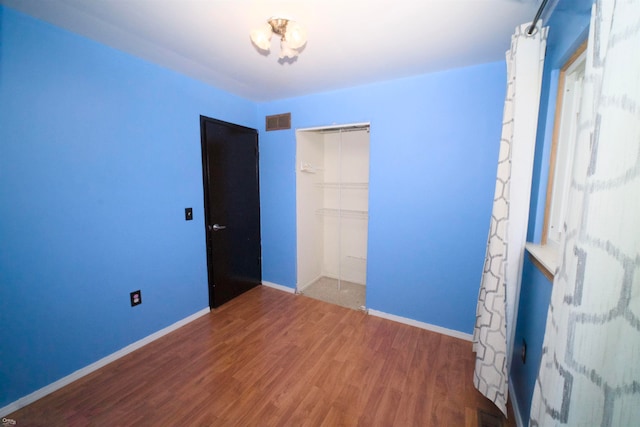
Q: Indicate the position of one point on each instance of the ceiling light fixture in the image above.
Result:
(293, 36)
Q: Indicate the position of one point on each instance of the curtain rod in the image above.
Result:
(532, 28)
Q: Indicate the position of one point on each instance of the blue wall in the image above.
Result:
(434, 148)
(99, 156)
(568, 27)
(535, 295)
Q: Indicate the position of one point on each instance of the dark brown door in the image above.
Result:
(232, 208)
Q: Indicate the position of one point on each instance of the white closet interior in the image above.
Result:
(332, 192)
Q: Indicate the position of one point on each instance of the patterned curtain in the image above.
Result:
(500, 284)
(590, 369)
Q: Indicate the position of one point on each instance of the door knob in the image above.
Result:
(217, 227)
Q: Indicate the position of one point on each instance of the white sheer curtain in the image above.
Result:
(499, 289)
(590, 369)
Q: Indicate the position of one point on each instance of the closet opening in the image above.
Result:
(332, 199)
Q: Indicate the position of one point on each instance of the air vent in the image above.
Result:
(279, 122)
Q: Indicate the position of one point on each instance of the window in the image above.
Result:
(564, 135)
(567, 118)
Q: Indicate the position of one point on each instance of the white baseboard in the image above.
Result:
(300, 288)
(514, 404)
(48, 389)
(279, 287)
(422, 325)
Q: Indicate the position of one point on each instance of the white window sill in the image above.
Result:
(545, 257)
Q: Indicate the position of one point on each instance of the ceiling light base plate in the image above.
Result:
(279, 25)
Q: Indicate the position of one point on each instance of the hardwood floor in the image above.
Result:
(270, 358)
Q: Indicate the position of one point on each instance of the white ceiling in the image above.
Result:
(351, 42)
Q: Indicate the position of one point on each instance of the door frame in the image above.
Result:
(303, 279)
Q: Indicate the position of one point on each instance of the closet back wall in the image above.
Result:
(433, 158)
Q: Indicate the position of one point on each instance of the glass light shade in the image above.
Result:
(286, 51)
(295, 35)
(261, 37)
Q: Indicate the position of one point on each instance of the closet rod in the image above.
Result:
(532, 28)
(335, 127)
(344, 130)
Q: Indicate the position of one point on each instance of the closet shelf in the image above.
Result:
(343, 213)
(344, 185)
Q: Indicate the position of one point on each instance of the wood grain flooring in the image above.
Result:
(270, 358)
